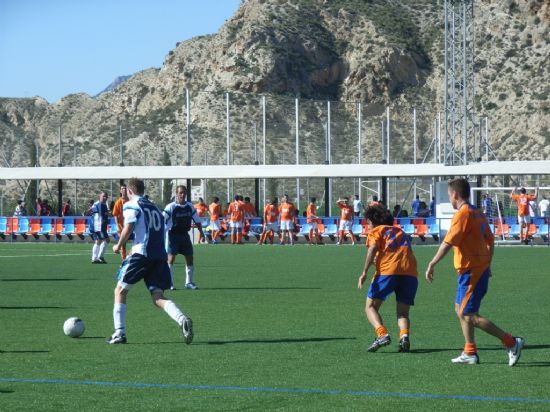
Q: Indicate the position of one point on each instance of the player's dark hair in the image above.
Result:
(375, 198)
(460, 186)
(522, 191)
(274, 200)
(378, 215)
(237, 198)
(136, 185)
(247, 199)
(313, 199)
(182, 187)
(216, 199)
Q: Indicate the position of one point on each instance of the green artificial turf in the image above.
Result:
(268, 321)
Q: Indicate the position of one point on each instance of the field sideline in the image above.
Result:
(275, 328)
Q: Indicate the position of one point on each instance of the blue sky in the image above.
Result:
(52, 48)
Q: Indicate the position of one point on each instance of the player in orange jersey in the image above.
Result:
(524, 218)
(215, 210)
(312, 220)
(346, 220)
(202, 209)
(236, 212)
(473, 244)
(389, 248)
(271, 221)
(119, 217)
(286, 216)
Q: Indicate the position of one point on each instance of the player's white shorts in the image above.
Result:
(214, 225)
(272, 226)
(345, 225)
(524, 219)
(236, 225)
(313, 225)
(287, 225)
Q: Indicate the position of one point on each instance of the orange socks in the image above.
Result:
(381, 331)
(508, 340)
(403, 332)
(470, 349)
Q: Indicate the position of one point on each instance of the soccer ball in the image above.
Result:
(73, 327)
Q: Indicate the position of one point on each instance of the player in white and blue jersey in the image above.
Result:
(178, 218)
(98, 228)
(147, 261)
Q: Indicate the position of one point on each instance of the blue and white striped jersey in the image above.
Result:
(100, 217)
(148, 227)
(178, 217)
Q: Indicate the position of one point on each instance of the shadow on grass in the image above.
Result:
(287, 340)
(262, 288)
(24, 351)
(36, 280)
(536, 347)
(91, 337)
(5, 391)
(34, 307)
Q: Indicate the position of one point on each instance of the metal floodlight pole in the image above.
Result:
(414, 137)
(297, 116)
(228, 143)
(388, 135)
(382, 145)
(121, 147)
(188, 125)
(329, 139)
(359, 131)
(59, 181)
(263, 142)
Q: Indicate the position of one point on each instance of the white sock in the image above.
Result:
(189, 274)
(171, 274)
(119, 318)
(95, 251)
(174, 312)
(102, 249)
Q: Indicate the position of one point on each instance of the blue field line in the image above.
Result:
(278, 390)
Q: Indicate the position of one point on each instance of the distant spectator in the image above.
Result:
(423, 210)
(432, 206)
(88, 211)
(415, 206)
(20, 209)
(38, 206)
(397, 211)
(66, 211)
(46, 208)
(543, 207)
(357, 206)
(375, 201)
(533, 209)
(487, 206)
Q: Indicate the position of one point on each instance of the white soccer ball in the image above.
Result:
(73, 327)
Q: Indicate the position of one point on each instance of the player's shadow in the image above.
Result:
(283, 340)
(37, 280)
(5, 391)
(24, 351)
(435, 350)
(33, 307)
(263, 288)
(536, 347)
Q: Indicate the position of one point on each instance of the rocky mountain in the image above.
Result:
(382, 53)
(113, 85)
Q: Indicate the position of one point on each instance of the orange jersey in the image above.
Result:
(249, 210)
(394, 256)
(311, 213)
(117, 213)
(271, 214)
(201, 209)
(471, 237)
(346, 211)
(236, 210)
(523, 203)
(215, 211)
(286, 211)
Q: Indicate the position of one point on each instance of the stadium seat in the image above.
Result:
(330, 231)
(304, 231)
(81, 227)
(328, 220)
(502, 230)
(12, 225)
(68, 228)
(34, 226)
(3, 225)
(58, 227)
(430, 221)
(510, 220)
(24, 226)
(402, 221)
(418, 221)
(433, 229)
(544, 231)
(421, 230)
(408, 229)
(532, 230)
(515, 231)
(538, 221)
(112, 228)
(492, 227)
(357, 229)
(302, 221)
(255, 221)
(321, 228)
(46, 227)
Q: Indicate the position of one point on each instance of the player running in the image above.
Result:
(147, 262)
(473, 244)
(524, 217)
(178, 216)
(389, 248)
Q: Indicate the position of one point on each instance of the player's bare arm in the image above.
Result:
(441, 252)
(124, 236)
(369, 260)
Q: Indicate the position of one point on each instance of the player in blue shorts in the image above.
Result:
(178, 216)
(98, 228)
(396, 272)
(146, 262)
